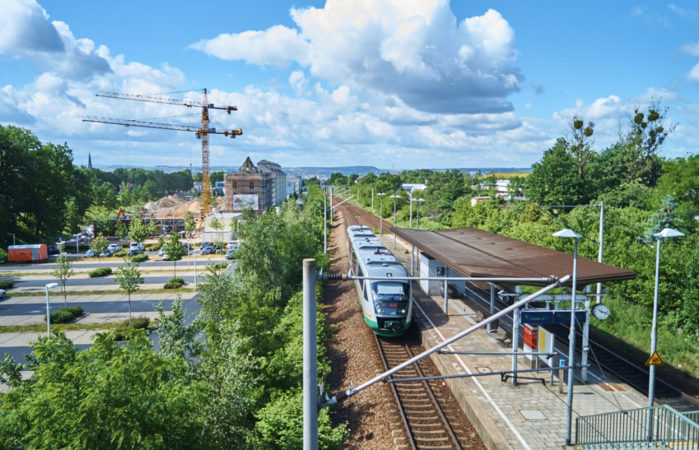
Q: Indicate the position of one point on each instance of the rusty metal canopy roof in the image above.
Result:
(477, 253)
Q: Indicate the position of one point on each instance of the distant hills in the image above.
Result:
(325, 172)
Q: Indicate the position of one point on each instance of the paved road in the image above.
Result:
(101, 281)
(154, 261)
(88, 307)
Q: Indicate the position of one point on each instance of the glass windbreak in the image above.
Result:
(391, 299)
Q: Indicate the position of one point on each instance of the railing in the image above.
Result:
(692, 415)
(670, 429)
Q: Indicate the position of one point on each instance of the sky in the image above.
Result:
(396, 84)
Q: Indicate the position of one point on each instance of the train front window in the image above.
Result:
(390, 298)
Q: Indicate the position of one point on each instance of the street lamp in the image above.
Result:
(417, 210)
(394, 197)
(665, 233)
(571, 349)
(48, 314)
(14, 242)
(381, 194)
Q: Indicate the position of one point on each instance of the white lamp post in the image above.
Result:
(571, 349)
(48, 312)
(665, 233)
(394, 197)
(417, 210)
(381, 194)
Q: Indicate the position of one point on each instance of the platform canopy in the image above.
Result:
(477, 253)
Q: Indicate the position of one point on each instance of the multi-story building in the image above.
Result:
(249, 187)
(279, 177)
(293, 185)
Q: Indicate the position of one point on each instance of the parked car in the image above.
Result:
(233, 245)
(3, 294)
(92, 253)
(114, 248)
(205, 244)
(230, 253)
(210, 250)
(133, 251)
(107, 252)
(52, 249)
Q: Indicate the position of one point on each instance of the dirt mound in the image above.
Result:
(169, 201)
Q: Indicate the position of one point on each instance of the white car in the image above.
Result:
(114, 248)
(3, 294)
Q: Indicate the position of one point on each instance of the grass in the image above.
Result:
(66, 327)
(114, 291)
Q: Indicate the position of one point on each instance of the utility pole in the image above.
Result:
(310, 359)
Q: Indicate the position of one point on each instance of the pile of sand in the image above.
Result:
(175, 207)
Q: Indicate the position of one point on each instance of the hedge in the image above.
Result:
(6, 284)
(153, 247)
(119, 254)
(101, 272)
(64, 315)
(174, 283)
(218, 266)
(123, 329)
(139, 258)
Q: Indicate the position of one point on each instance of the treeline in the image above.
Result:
(231, 379)
(642, 194)
(44, 195)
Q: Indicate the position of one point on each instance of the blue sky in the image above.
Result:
(398, 84)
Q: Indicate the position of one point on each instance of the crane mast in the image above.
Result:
(201, 133)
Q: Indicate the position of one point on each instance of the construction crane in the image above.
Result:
(202, 132)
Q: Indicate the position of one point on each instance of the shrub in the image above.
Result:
(174, 283)
(154, 247)
(218, 266)
(119, 254)
(6, 284)
(64, 315)
(3, 256)
(124, 327)
(139, 258)
(101, 272)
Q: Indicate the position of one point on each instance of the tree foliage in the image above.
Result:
(128, 277)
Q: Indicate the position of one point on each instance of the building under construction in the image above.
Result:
(256, 187)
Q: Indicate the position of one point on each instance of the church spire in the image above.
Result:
(89, 161)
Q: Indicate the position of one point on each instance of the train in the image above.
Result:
(387, 306)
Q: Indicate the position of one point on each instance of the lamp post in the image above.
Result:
(14, 242)
(48, 313)
(381, 194)
(394, 197)
(417, 210)
(571, 349)
(665, 233)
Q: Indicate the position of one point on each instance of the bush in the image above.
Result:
(101, 272)
(119, 254)
(6, 284)
(3, 256)
(139, 258)
(154, 247)
(174, 283)
(218, 266)
(64, 315)
(124, 327)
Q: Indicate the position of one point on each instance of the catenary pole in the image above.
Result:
(310, 375)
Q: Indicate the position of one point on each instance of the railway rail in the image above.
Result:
(609, 356)
(430, 414)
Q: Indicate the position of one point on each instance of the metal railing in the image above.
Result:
(670, 429)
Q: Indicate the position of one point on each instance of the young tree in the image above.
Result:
(128, 277)
(217, 225)
(647, 134)
(63, 271)
(100, 244)
(189, 224)
(173, 249)
(120, 230)
(152, 228)
(137, 231)
(580, 148)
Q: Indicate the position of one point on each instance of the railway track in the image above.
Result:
(430, 414)
(610, 357)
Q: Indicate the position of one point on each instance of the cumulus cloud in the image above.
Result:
(693, 74)
(25, 31)
(415, 50)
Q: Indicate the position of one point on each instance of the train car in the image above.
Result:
(387, 306)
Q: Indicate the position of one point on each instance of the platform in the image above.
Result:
(529, 415)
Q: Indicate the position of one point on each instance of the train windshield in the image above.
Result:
(391, 298)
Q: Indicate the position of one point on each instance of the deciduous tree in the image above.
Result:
(128, 277)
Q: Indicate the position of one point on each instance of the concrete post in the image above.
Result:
(515, 343)
(325, 221)
(310, 371)
(412, 260)
(492, 326)
(601, 248)
(446, 295)
(571, 349)
(585, 338)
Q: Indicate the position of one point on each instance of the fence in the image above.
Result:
(670, 429)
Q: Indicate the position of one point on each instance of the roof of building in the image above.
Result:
(248, 167)
(477, 253)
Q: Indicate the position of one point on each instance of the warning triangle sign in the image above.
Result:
(654, 360)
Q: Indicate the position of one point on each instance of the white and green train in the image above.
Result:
(387, 305)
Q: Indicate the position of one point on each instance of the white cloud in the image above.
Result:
(277, 46)
(415, 50)
(25, 28)
(691, 48)
(693, 74)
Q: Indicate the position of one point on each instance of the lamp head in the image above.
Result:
(567, 233)
(51, 285)
(667, 233)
